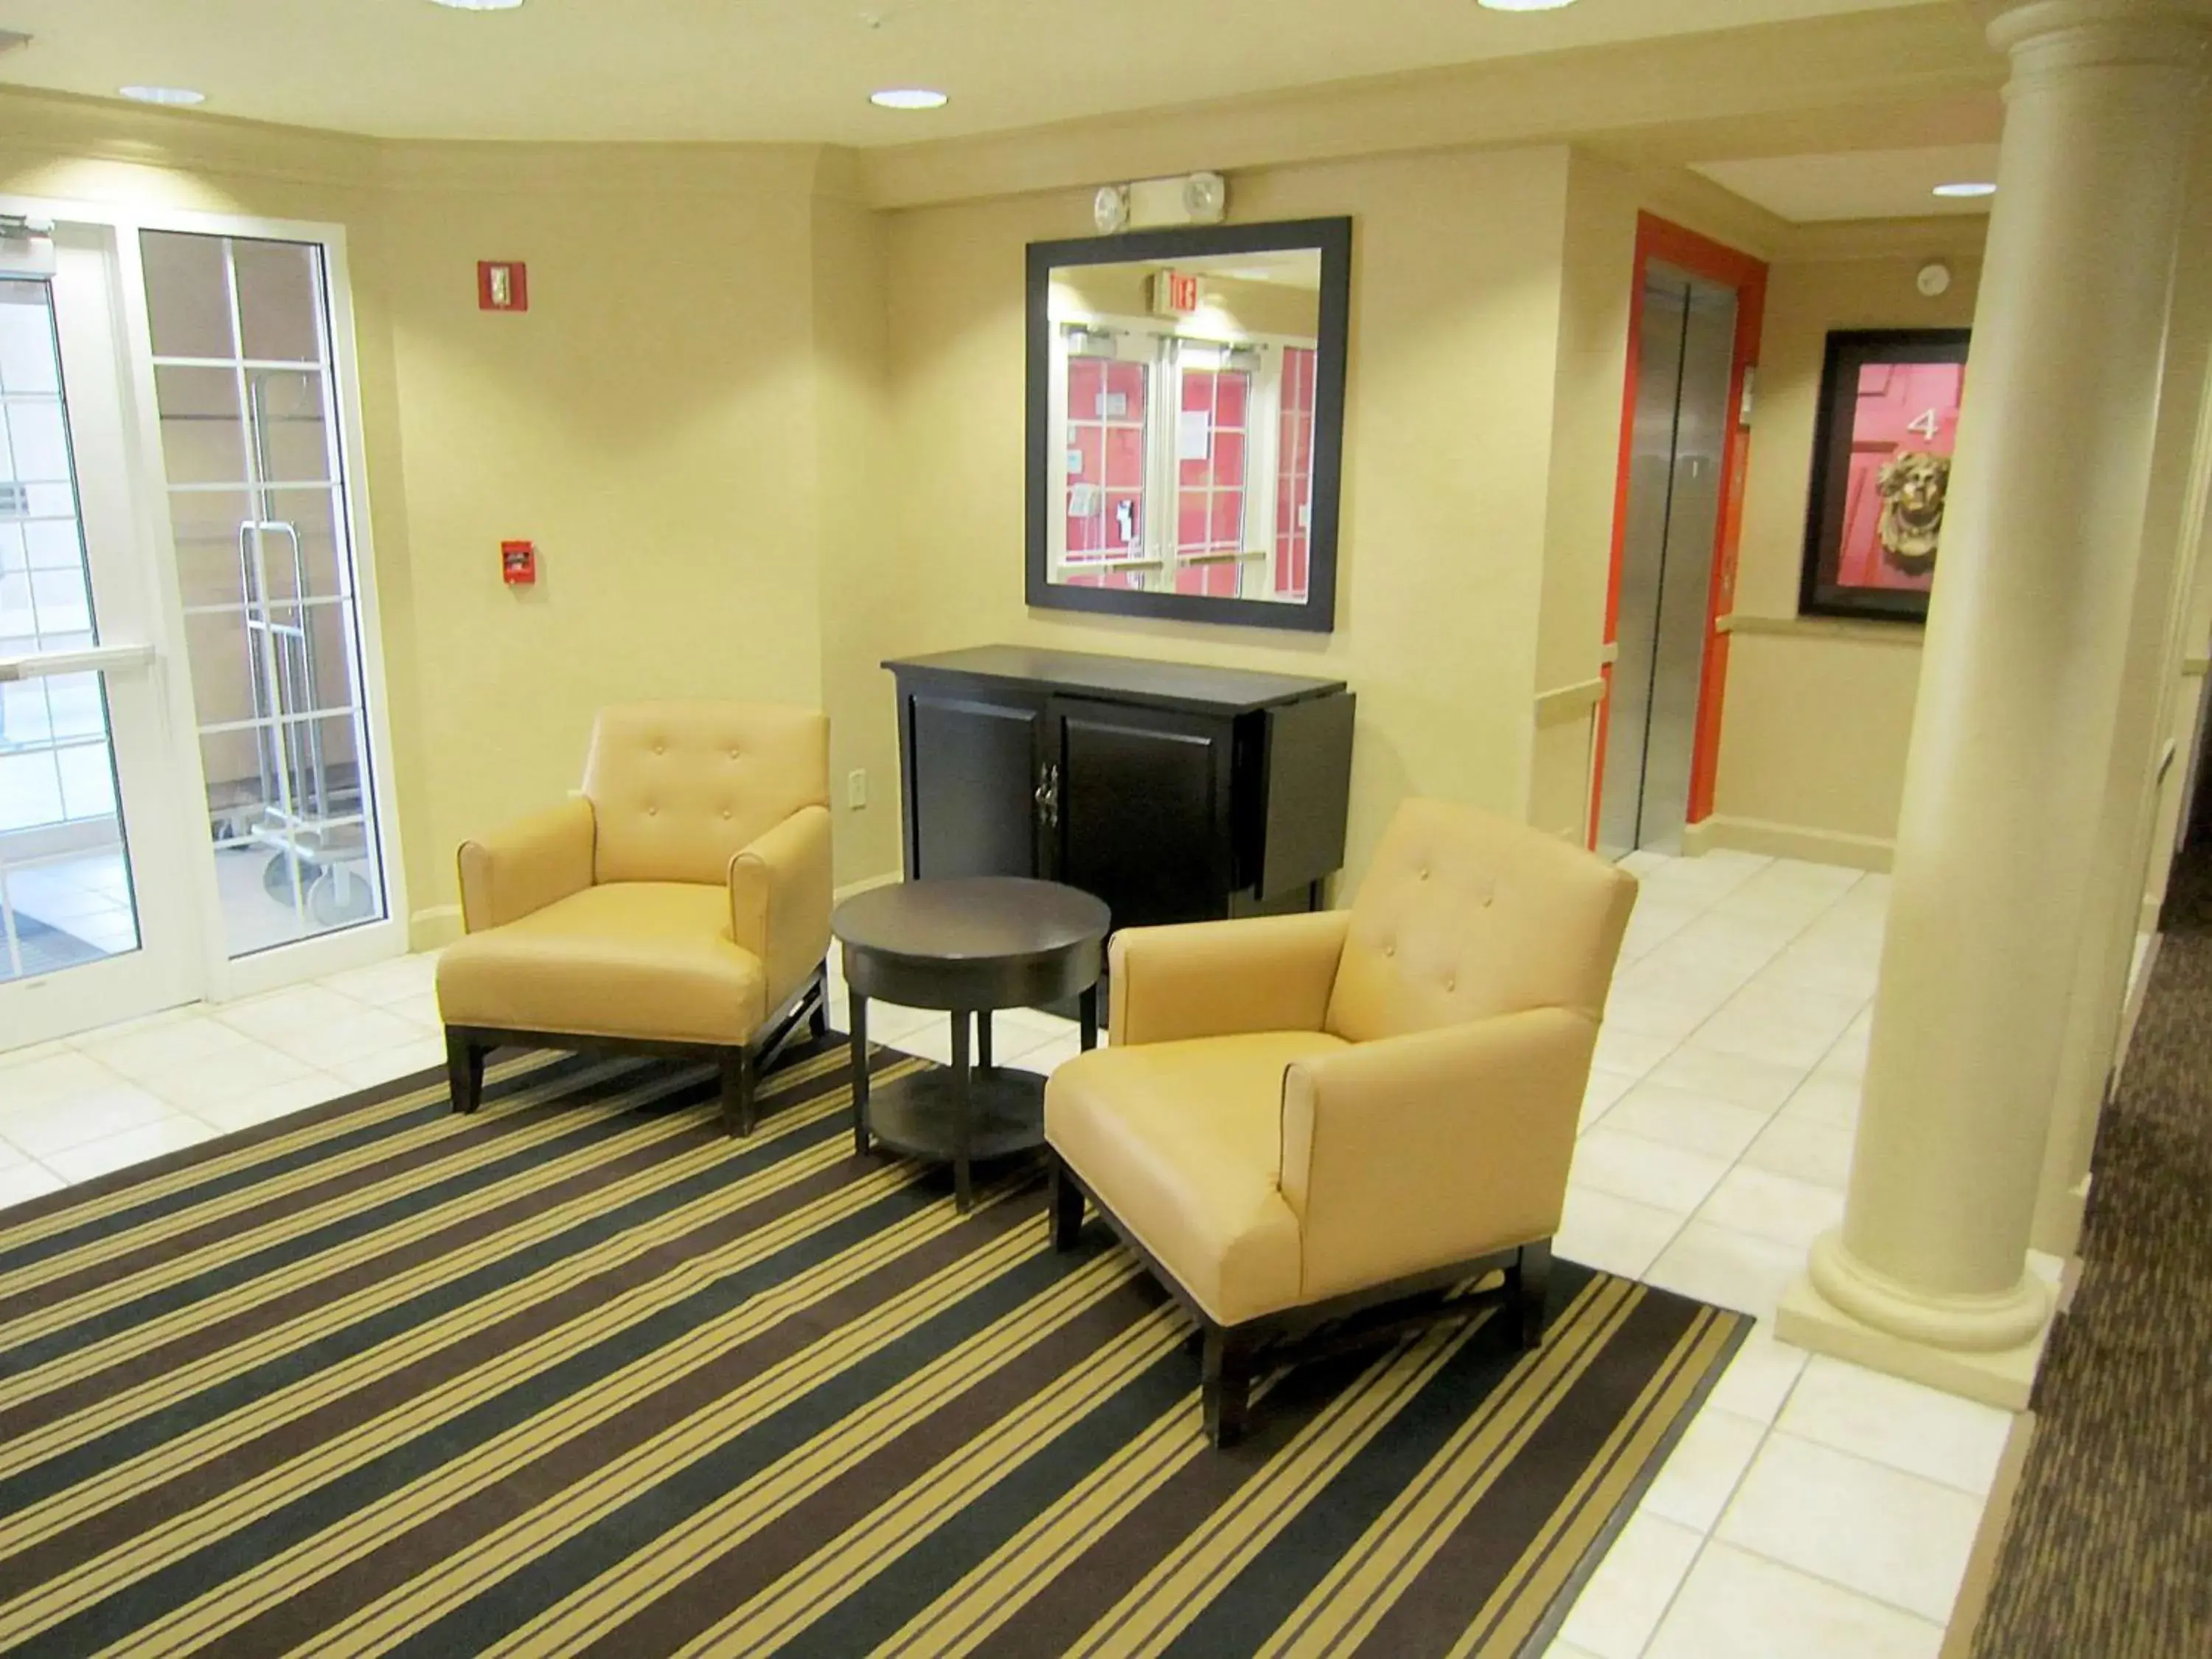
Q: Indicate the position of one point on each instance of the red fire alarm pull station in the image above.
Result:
(518, 563)
(502, 285)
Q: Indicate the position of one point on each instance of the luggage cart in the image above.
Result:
(312, 813)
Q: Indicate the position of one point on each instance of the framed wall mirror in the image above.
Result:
(1186, 422)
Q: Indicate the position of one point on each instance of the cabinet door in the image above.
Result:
(971, 782)
(1143, 810)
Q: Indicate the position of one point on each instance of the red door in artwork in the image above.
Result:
(1903, 409)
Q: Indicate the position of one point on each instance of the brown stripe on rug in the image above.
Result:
(582, 1373)
(2106, 1549)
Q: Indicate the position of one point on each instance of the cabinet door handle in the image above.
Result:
(1047, 795)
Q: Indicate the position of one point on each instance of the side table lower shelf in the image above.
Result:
(919, 1115)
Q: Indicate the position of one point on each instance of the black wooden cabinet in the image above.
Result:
(1175, 793)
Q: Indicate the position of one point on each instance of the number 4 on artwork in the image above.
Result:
(1927, 425)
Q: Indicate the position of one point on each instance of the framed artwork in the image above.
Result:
(1882, 469)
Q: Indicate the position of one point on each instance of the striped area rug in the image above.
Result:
(578, 1374)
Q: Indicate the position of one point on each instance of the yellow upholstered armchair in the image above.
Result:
(1309, 1118)
(680, 905)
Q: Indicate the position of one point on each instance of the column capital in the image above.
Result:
(2091, 34)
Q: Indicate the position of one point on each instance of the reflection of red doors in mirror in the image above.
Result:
(1210, 478)
(1294, 471)
(1107, 402)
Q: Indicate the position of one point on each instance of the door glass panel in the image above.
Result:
(65, 891)
(272, 626)
(187, 297)
(202, 428)
(279, 300)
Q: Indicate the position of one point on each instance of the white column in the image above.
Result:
(2021, 680)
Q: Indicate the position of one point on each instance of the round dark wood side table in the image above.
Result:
(968, 947)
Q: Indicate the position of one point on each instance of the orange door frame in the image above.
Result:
(1670, 243)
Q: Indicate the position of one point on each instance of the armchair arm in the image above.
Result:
(1224, 978)
(1419, 1150)
(780, 899)
(526, 866)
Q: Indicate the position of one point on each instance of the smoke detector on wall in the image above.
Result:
(1933, 278)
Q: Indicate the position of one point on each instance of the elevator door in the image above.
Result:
(1675, 452)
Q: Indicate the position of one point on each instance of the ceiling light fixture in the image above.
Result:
(908, 98)
(163, 95)
(477, 5)
(1524, 5)
(1967, 188)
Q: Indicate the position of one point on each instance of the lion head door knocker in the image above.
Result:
(1912, 485)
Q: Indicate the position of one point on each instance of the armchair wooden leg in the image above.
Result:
(465, 1064)
(817, 1021)
(1066, 1204)
(1227, 1370)
(739, 1073)
(1532, 1286)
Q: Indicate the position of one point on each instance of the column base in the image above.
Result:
(2002, 1377)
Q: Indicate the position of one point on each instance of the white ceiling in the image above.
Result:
(786, 70)
(1879, 184)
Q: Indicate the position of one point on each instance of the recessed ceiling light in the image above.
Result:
(1967, 187)
(477, 5)
(1523, 5)
(163, 95)
(908, 98)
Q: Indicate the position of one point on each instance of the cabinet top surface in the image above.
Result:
(1130, 678)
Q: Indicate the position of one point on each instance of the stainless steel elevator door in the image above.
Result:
(1675, 455)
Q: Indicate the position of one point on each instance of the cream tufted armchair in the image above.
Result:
(1300, 1119)
(681, 904)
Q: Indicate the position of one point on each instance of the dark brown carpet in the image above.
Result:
(578, 1374)
(2109, 1554)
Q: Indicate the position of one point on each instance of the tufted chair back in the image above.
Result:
(1464, 915)
(678, 788)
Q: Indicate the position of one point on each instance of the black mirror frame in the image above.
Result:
(1332, 238)
(1847, 351)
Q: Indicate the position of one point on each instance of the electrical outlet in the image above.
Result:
(856, 788)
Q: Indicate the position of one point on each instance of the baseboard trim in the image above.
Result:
(2058, 1225)
(434, 928)
(868, 883)
(1788, 840)
(1981, 1572)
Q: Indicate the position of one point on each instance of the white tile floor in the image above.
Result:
(1813, 1509)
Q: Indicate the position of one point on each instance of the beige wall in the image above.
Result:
(648, 423)
(1818, 712)
(864, 586)
(686, 421)
(1598, 267)
(1454, 324)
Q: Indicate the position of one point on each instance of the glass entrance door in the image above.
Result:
(95, 919)
(244, 387)
(189, 803)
